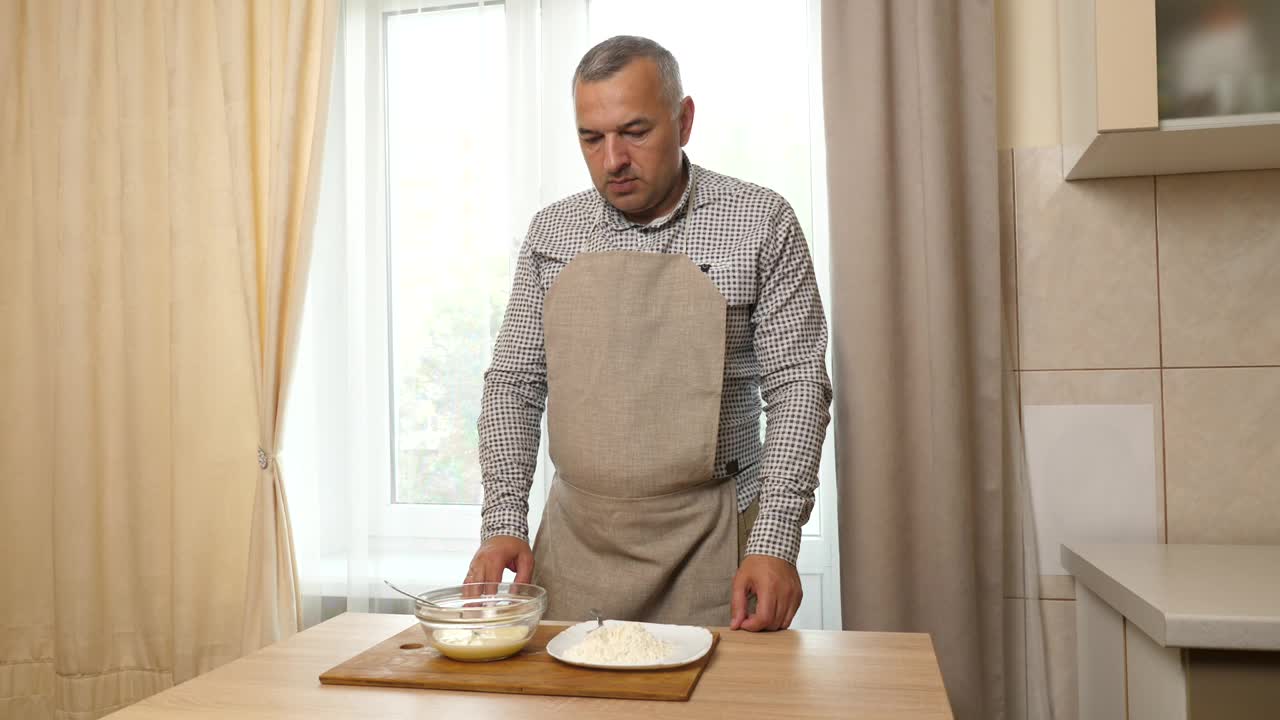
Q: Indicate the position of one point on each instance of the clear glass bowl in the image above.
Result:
(481, 622)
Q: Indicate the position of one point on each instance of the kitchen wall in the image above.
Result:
(1148, 345)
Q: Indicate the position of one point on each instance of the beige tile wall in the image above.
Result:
(1024, 680)
(1086, 265)
(1161, 291)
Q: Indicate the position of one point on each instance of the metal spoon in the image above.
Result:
(599, 620)
(416, 598)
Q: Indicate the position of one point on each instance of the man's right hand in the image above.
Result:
(498, 553)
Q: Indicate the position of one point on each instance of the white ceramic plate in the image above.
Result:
(689, 643)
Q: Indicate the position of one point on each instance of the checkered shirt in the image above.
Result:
(748, 241)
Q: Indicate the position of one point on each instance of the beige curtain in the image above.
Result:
(909, 87)
(277, 57)
(131, 144)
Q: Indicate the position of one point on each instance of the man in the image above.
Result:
(651, 314)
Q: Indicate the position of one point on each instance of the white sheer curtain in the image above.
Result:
(451, 125)
(410, 81)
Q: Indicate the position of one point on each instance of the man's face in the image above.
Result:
(631, 140)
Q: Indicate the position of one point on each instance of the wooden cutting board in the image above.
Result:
(406, 660)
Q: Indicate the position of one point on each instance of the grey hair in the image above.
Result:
(609, 57)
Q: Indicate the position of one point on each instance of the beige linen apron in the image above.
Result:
(635, 525)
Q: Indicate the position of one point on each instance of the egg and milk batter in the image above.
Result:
(480, 645)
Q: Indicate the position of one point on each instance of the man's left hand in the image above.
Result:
(776, 585)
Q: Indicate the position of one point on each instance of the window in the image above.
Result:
(448, 239)
(452, 124)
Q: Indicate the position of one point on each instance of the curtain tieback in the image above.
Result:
(264, 460)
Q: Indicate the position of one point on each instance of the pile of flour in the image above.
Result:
(622, 642)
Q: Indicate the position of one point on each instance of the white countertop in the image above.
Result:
(1193, 596)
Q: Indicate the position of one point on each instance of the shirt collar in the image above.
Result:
(613, 217)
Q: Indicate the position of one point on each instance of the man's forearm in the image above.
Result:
(795, 428)
(509, 431)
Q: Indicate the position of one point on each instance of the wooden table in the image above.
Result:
(791, 674)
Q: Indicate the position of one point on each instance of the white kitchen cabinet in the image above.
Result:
(1177, 632)
(1153, 87)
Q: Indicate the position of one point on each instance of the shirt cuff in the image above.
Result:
(488, 532)
(776, 536)
(504, 520)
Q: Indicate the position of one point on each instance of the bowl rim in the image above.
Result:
(521, 601)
